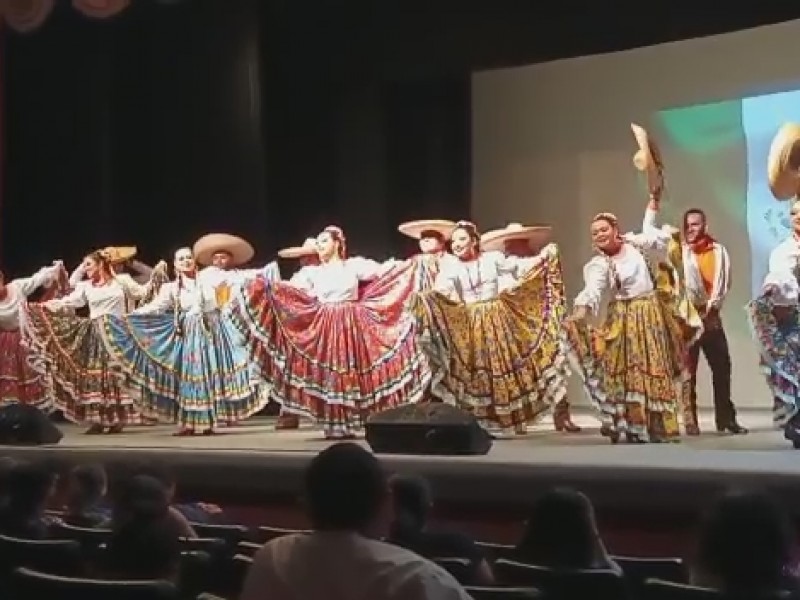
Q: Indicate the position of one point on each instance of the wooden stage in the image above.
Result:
(255, 461)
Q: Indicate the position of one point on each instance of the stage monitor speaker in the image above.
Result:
(429, 428)
(22, 425)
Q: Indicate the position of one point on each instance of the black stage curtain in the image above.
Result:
(262, 118)
(143, 129)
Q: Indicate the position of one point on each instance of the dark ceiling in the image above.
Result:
(412, 38)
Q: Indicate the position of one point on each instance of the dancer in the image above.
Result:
(19, 383)
(708, 276)
(221, 255)
(332, 355)
(122, 260)
(186, 357)
(632, 366)
(68, 350)
(773, 315)
(521, 241)
(495, 354)
(432, 235)
(305, 255)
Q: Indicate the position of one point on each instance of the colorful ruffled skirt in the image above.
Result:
(632, 367)
(83, 381)
(337, 363)
(195, 372)
(500, 359)
(778, 345)
(19, 382)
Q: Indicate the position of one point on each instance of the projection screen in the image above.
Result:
(552, 144)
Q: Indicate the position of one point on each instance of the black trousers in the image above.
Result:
(713, 343)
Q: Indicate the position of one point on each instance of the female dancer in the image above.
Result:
(19, 383)
(331, 354)
(525, 241)
(432, 235)
(122, 260)
(774, 316)
(494, 353)
(185, 356)
(632, 368)
(85, 384)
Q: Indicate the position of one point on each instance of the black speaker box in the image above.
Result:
(22, 425)
(429, 428)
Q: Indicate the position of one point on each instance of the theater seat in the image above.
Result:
(499, 593)
(639, 570)
(232, 534)
(655, 589)
(460, 568)
(562, 583)
(54, 556)
(494, 552)
(32, 584)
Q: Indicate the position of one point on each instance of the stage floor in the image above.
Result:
(253, 454)
(762, 448)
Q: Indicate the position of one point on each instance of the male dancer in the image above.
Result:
(708, 276)
(520, 241)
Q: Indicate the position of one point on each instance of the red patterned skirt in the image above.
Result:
(339, 362)
(19, 382)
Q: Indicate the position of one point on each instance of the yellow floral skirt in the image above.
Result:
(501, 359)
(632, 367)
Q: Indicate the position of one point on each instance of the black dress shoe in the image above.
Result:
(733, 428)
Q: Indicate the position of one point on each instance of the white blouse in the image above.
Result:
(633, 277)
(187, 293)
(215, 277)
(784, 265)
(480, 280)
(338, 281)
(18, 290)
(114, 298)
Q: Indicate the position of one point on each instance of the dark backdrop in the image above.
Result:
(270, 118)
(251, 117)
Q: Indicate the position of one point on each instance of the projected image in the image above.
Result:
(727, 144)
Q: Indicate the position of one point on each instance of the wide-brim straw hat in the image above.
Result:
(207, 246)
(536, 235)
(118, 254)
(783, 163)
(648, 157)
(415, 229)
(309, 248)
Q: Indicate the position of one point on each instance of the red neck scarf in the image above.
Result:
(703, 244)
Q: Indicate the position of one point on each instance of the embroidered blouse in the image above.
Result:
(18, 290)
(626, 275)
(116, 297)
(338, 281)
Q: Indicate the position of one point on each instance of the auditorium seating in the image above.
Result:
(28, 583)
(218, 562)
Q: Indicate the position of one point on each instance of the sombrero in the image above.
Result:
(415, 229)
(648, 158)
(537, 235)
(208, 245)
(309, 248)
(783, 164)
(118, 254)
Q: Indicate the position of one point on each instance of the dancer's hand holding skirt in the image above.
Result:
(499, 359)
(336, 362)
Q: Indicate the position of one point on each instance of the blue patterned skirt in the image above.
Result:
(194, 371)
(778, 343)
